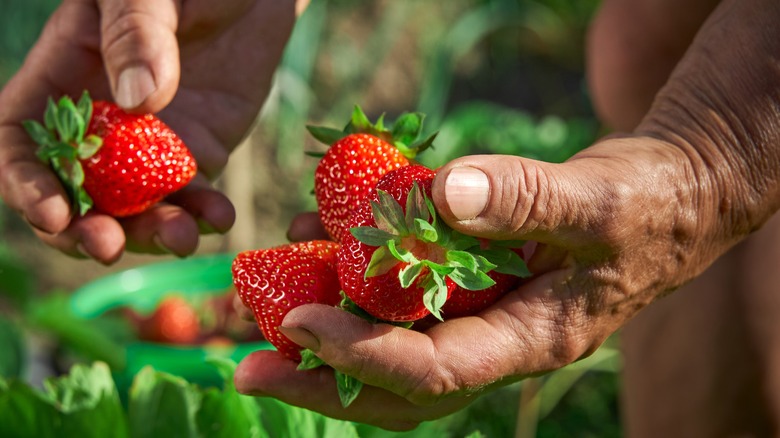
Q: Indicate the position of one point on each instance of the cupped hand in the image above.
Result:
(611, 239)
(619, 225)
(204, 67)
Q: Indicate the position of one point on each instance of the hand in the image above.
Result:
(619, 225)
(130, 50)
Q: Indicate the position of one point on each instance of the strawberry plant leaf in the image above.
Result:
(69, 122)
(348, 387)
(416, 207)
(325, 135)
(381, 262)
(389, 215)
(515, 266)
(435, 294)
(407, 128)
(409, 274)
(471, 280)
(89, 147)
(309, 360)
(84, 107)
(162, 404)
(425, 231)
(39, 133)
(359, 121)
(50, 115)
(424, 144)
(463, 259)
(372, 236)
(401, 253)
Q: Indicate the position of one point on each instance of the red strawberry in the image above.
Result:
(399, 262)
(121, 164)
(356, 159)
(174, 321)
(273, 281)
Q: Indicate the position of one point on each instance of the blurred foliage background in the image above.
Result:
(492, 76)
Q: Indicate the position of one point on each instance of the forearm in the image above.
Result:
(721, 106)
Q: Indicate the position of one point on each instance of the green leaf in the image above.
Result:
(38, 133)
(69, 122)
(425, 231)
(409, 274)
(56, 150)
(515, 266)
(89, 147)
(382, 260)
(400, 253)
(325, 135)
(407, 128)
(463, 259)
(13, 357)
(50, 115)
(471, 280)
(372, 236)
(416, 207)
(389, 215)
(83, 403)
(348, 387)
(422, 145)
(309, 360)
(226, 413)
(435, 294)
(84, 107)
(360, 122)
(161, 404)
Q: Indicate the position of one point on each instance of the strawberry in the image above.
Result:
(399, 262)
(273, 281)
(117, 163)
(357, 157)
(174, 321)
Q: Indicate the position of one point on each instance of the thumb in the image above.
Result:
(140, 51)
(509, 197)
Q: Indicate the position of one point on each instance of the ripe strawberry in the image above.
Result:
(357, 157)
(121, 164)
(399, 262)
(273, 281)
(174, 321)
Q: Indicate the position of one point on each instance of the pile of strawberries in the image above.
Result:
(391, 259)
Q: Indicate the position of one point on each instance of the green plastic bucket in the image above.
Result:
(141, 288)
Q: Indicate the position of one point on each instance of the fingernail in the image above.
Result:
(302, 337)
(467, 190)
(134, 85)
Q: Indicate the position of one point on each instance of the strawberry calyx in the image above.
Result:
(404, 134)
(62, 143)
(430, 250)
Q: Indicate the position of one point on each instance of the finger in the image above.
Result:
(242, 310)
(266, 373)
(28, 186)
(306, 226)
(507, 197)
(94, 235)
(537, 328)
(163, 229)
(211, 209)
(141, 52)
